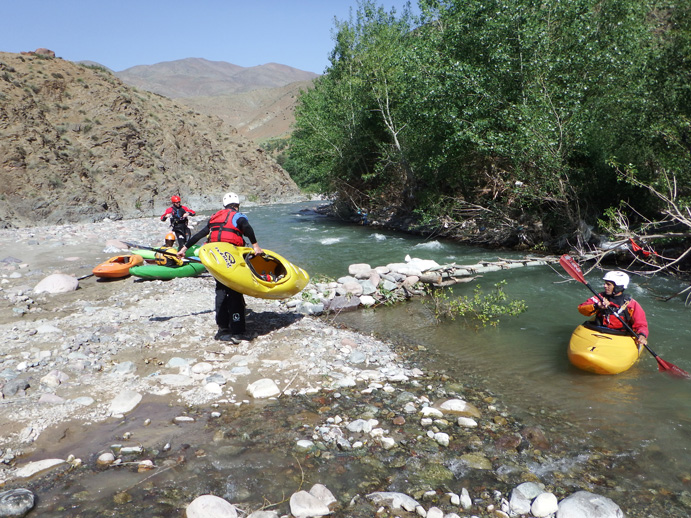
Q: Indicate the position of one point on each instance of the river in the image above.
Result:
(642, 413)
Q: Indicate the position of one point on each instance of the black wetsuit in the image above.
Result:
(230, 305)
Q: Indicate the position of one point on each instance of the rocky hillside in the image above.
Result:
(259, 115)
(78, 144)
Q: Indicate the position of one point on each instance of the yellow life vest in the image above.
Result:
(166, 259)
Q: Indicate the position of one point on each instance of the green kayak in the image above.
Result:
(156, 271)
(151, 254)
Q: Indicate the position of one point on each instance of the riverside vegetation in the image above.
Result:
(508, 123)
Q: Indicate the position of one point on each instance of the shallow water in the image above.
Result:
(642, 413)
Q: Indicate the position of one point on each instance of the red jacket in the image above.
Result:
(632, 315)
(177, 212)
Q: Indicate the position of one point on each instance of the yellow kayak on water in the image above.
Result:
(267, 276)
(602, 351)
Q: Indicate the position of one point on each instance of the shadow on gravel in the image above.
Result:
(261, 323)
(265, 322)
(165, 319)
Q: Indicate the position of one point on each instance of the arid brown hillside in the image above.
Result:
(78, 144)
(257, 101)
(258, 114)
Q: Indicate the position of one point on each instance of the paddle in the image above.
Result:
(574, 271)
(162, 251)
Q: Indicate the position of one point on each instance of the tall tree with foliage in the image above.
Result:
(510, 106)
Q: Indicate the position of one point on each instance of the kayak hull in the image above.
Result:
(268, 276)
(151, 254)
(118, 266)
(156, 271)
(594, 350)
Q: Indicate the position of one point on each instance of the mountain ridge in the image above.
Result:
(193, 77)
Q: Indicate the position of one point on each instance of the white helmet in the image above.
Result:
(618, 278)
(230, 198)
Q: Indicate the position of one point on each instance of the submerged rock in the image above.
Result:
(15, 503)
(210, 506)
(584, 503)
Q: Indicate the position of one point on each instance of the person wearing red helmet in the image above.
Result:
(612, 303)
(178, 215)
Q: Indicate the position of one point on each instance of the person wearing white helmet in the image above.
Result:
(228, 225)
(614, 302)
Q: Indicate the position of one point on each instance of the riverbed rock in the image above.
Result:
(544, 505)
(322, 492)
(305, 505)
(125, 402)
(476, 460)
(522, 497)
(39, 466)
(16, 503)
(210, 506)
(394, 500)
(263, 388)
(57, 283)
(341, 303)
(360, 270)
(460, 408)
(586, 504)
(263, 514)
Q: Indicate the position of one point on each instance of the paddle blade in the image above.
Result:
(571, 266)
(671, 369)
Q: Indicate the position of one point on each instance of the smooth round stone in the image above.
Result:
(16, 502)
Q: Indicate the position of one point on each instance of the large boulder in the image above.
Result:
(57, 283)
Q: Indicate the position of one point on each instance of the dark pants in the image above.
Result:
(230, 309)
(183, 233)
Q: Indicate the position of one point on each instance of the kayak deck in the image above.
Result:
(156, 271)
(596, 350)
(267, 276)
(118, 266)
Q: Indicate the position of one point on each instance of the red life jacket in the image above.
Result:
(607, 319)
(223, 229)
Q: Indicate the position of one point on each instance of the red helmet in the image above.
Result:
(175, 199)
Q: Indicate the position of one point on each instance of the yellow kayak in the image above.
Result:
(602, 351)
(267, 276)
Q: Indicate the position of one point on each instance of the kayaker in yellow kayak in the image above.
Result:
(615, 302)
(228, 226)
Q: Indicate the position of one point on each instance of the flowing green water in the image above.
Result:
(642, 413)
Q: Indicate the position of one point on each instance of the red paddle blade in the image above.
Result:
(671, 369)
(571, 266)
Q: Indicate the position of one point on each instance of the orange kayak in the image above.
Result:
(118, 266)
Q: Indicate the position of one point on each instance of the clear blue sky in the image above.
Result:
(123, 33)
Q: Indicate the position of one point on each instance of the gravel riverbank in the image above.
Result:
(131, 357)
